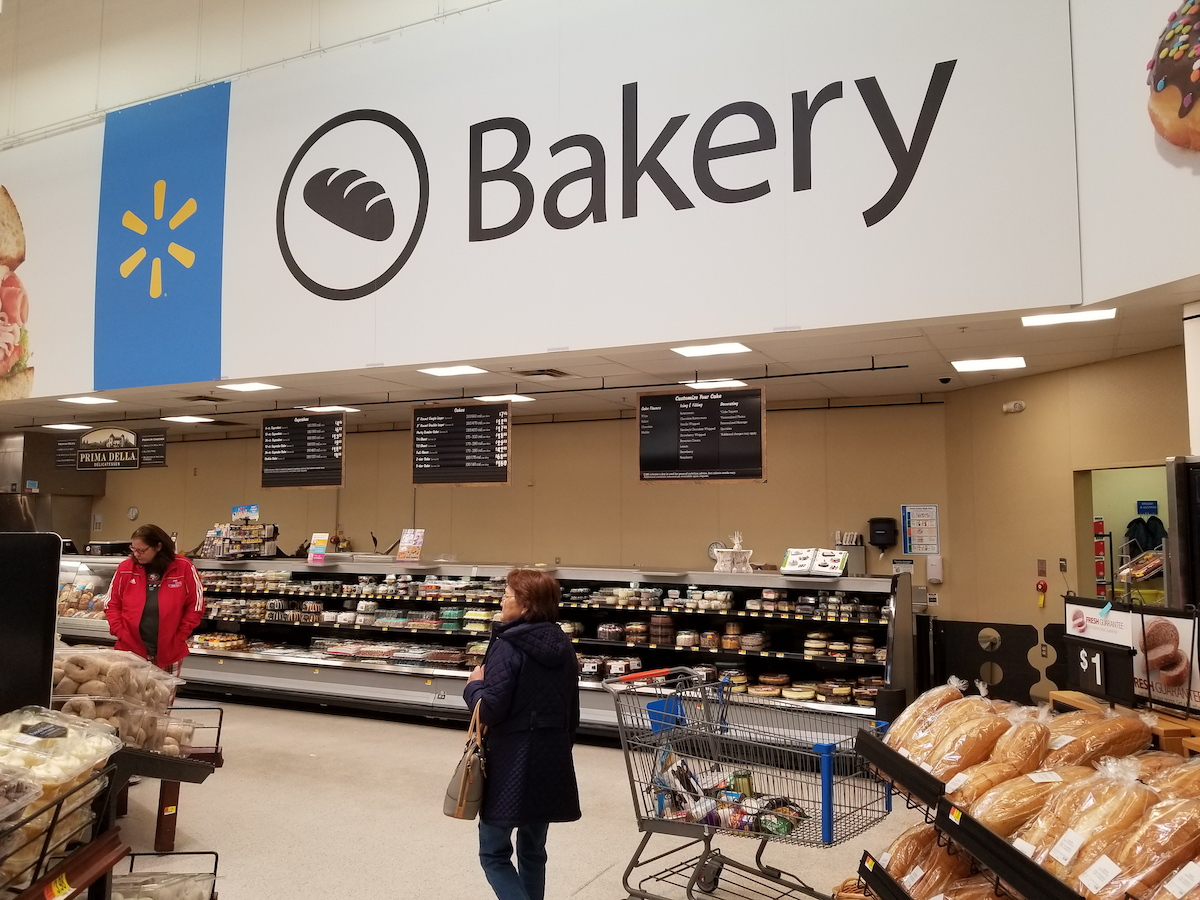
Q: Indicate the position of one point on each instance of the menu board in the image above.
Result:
(303, 451)
(461, 444)
(707, 434)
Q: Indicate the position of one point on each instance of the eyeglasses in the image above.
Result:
(138, 551)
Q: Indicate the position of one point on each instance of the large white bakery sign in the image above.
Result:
(517, 170)
(1165, 667)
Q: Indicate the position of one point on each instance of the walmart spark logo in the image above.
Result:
(161, 226)
(185, 256)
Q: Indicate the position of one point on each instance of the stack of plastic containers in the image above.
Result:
(125, 692)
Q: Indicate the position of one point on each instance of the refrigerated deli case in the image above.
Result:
(376, 634)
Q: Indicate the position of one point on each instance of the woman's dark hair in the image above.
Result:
(153, 536)
(538, 593)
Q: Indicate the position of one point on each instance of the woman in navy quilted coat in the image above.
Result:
(528, 697)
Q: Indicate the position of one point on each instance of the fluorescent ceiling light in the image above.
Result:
(249, 386)
(714, 384)
(506, 398)
(85, 401)
(984, 365)
(187, 420)
(69, 426)
(329, 409)
(446, 371)
(1084, 315)
(710, 349)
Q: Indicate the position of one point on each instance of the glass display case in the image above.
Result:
(83, 583)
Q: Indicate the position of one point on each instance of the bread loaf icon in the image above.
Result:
(1160, 644)
(352, 202)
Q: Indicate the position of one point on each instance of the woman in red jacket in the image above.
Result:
(156, 600)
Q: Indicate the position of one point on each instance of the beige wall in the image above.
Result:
(1004, 484)
(574, 493)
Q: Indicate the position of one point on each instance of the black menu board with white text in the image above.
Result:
(303, 451)
(702, 435)
(465, 444)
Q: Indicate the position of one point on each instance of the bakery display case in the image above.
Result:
(386, 635)
(83, 583)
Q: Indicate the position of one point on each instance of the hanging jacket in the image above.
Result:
(529, 701)
(1138, 537)
(180, 608)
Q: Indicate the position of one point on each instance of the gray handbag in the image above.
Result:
(464, 794)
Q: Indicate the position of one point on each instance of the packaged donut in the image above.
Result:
(113, 674)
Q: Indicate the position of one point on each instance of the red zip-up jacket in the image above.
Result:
(180, 608)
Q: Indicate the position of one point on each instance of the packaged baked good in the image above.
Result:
(906, 849)
(1116, 736)
(968, 743)
(1152, 763)
(1073, 722)
(1023, 746)
(936, 868)
(924, 706)
(1164, 838)
(17, 791)
(973, 887)
(1094, 809)
(57, 751)
(112, 673)
(973, 782)
(1182, 884)
(1178, 781)
(946, 720)
(1008, 806)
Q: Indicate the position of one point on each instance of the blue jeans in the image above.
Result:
(527, 881)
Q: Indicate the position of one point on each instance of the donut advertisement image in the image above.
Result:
(1174, 78)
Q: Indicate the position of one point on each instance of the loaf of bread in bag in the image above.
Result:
(1008, 806)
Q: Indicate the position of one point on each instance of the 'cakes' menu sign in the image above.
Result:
(465, 444)
(303, 451)
(707, 434)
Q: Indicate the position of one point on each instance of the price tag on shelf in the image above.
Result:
(741, 612)
(1099, 874)
(885, 858)
(956, 782)
(58, 888)
(809, 656)
(741, 653)
(1024, 846)
(912, 878)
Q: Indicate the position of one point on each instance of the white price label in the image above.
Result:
(927, 767)
(956, 782)
(1061, 741)
(25, 740)
(1044, 777)
(1024, 846)
(1185, 879)
(1066, 848)
(903, 752)
(1100, 873)
(938, 897)
(886, 858)
(912, 878)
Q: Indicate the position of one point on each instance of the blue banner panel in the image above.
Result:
(158, 255)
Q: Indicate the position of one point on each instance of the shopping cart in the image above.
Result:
(703, 761)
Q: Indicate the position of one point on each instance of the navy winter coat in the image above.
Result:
(529, 699)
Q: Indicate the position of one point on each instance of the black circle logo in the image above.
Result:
(352, 204)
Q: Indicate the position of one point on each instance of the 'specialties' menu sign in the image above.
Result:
(461, 444)
(303, 451)
(703, 435)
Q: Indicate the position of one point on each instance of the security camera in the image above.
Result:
(944, 380)
(1014, 406)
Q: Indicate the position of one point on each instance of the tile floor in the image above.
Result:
(312, 805)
